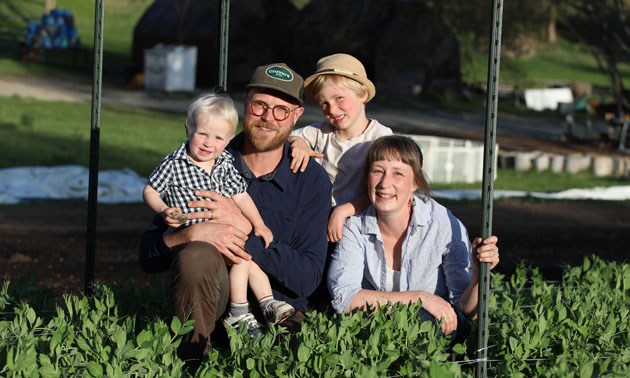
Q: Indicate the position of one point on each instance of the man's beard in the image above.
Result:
(261, 143)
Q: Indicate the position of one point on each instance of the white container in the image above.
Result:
(170, 68)
(449, 160)
(547, 98)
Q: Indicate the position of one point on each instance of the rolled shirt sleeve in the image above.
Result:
(345, 272)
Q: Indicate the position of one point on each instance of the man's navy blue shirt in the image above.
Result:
(295, 206)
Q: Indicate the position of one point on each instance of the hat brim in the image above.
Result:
(368, 84)
(277, 89)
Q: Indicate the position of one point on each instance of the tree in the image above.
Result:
(603, 27)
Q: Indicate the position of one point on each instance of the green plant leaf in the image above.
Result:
(95, 369)
(459, 348)
(303, 353)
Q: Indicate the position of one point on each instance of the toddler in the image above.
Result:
(201, 163)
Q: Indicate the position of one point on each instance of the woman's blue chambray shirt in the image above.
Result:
(435, 256)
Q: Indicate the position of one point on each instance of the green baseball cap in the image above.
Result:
(279, 77)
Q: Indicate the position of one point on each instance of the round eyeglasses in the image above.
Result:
(280, 112)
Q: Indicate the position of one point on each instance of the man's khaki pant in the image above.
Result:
(200, 290)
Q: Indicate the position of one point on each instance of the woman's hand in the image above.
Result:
(441, 310)
(487, 251)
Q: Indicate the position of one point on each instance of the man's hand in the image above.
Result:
(219, 209)
(227, 239)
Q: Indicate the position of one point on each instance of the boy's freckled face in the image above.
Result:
(209, 139)
(342, 107)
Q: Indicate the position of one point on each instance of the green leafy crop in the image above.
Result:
(576, 327)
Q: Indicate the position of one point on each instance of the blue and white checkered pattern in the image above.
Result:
(178, 177)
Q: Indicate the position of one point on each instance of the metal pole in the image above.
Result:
(488, 181)
(99, 16)
(624, 132)
(224, 24)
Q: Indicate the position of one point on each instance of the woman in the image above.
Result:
(406, 247)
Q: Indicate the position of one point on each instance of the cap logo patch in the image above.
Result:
(279, 73)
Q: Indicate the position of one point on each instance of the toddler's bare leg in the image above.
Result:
(258, 281)
(239, 274)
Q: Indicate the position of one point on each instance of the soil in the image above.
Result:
(50, 239)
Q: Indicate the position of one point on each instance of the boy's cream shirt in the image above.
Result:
(343, 159)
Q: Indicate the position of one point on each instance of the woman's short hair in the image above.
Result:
(322, 81)
(403, 148)
(214, 105)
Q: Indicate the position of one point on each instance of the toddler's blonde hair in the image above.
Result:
(214, 105)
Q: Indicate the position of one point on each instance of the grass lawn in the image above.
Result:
(546, 181)
(559, 62)
(34, 132)
(56, 133)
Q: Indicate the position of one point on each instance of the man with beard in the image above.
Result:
(295, 206)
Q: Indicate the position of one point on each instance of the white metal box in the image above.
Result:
(170, 68)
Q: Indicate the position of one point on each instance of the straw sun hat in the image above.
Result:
(343, 65)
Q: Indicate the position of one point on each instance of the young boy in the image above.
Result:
(341, 88)
(201, 163)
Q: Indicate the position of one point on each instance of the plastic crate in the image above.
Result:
(170, 68)
(448, 160)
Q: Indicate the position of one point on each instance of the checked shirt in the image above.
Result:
(178, 177)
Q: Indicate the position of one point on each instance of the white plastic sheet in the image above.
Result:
(613, 193)
(68, 183)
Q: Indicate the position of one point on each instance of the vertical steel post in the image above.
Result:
(624, 132)
(224, 26)
(99, 16)
(488, 181)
